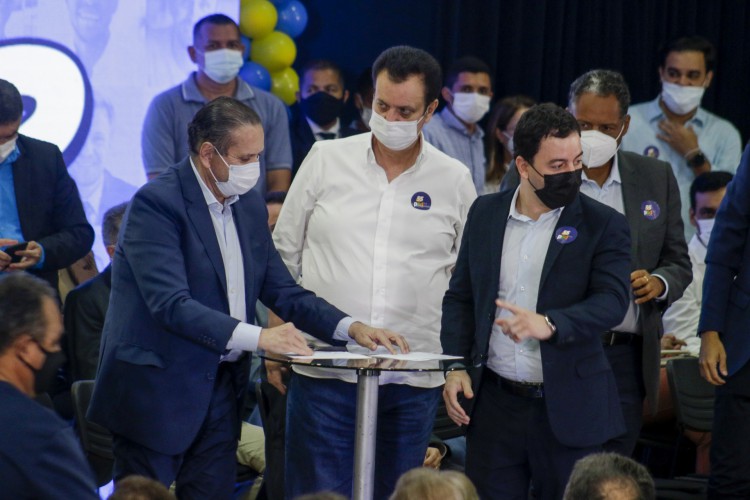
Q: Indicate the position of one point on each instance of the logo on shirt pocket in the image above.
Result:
(421, 201)
(650, 209)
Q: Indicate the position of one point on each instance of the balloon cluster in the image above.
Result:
(268, 28)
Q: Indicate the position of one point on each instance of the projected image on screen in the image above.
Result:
(87, 70)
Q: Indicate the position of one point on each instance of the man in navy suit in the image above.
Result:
(725, 348)
(193, 255)
(39, 202)
(558, 264)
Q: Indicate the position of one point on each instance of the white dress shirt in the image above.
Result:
(381, 251)
(245, 336)
(525, 247)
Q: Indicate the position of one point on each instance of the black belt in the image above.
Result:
(533, 390)
(611, 337)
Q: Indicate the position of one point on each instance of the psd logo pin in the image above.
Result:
(421, 201)
(650, 209)
(566, 234)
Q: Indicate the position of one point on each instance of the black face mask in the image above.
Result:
(559, 189)
(321, 107)
(44, 377)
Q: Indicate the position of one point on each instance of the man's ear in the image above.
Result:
(522, 166)
(447, 95)
(709, 79)
(191, 53)
(346, 96)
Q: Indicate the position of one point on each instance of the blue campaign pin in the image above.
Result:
(421, 201)
(650, 209)
(651, 152)
(565, 235)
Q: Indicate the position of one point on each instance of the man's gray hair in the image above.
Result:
(593, 475)
(603, 83)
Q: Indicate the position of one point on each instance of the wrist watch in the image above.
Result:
(550, 324)
(697, 160)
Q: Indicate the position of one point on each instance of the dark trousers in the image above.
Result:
(208, 468)
(730, 442)
(510, 446)
(627, 366)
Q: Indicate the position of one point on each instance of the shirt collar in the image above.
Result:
(316, 128)
(656, 113)
(12, 157)
(207, 194)
(191, 92)
(453, 122)
(515, 214)
(614, 175)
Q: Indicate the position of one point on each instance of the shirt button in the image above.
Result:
(525, 257)
(523, 288)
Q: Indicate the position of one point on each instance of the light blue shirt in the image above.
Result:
(525, 247)
(164, 139)
(450, 136)
(717, 138)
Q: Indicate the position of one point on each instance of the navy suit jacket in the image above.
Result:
(49, 207)
(726, 284)
(168, 321)
(584, 289)
(303, 139)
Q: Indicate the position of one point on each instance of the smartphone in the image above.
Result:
(11, 250)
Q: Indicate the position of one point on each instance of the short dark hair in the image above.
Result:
(11, 104)
(466, 64)
(322, 65)
(21, 302)
(689, 44)
(707, 182)
(217, 19)
(402, 62)
(276, 197)
(590, 474)
(539, 122)
(215, 122)
(111, 223)
(602, 83)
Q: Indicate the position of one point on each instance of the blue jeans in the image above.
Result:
(320, 430)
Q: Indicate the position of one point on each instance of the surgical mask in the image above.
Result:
(396, 136)
(321, 107)
(510, 144)
(242, 178)
(7, 148)
(223, 65)
(598, 148)
(681, 99)
(470, 107)
(559, 189)
(366, 114)
(44, 377)
(704, 229)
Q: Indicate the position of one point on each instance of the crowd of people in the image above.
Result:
(556, 251)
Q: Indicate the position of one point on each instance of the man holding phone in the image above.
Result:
(42, 224)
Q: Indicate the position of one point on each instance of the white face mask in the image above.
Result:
(7, 148)
(681, 99)
(242, 178)
(704, 229)
(396, 136)
(223, 65)
(598, 148)
(510, 144)
(366, 115)
(470, 107)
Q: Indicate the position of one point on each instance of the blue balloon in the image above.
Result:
(256, 75)
(292, 18)
(279, 3)
(246, 43)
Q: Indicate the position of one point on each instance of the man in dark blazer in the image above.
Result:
(317, 114)
(725, 345)
(193, 255)
(544, 394)
(39, 201)
(86, 306)
(645, 191)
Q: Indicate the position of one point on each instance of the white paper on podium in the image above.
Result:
(330, 355)
(417, 356)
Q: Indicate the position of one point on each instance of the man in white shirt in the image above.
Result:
(373, 225)
(681, 319)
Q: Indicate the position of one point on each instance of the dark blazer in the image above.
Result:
(303, 139)
(726, 284)
(40, 456)
(49, 207)
(656, 245)
(168, 321)
(85, 311)
(584, 289)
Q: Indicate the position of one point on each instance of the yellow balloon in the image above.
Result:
(258, 18)
(285, 85)
(275, 52)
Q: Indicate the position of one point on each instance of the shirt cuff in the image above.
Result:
(244, 337)
(663, 296)
(39, 264)
(342, 329)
